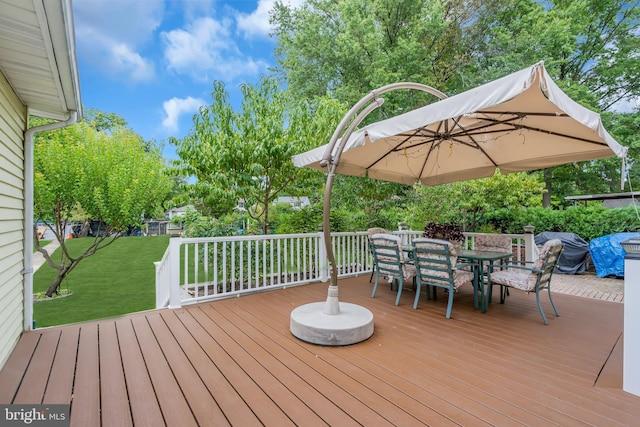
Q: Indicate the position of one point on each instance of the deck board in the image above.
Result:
(261, 403)
(60, 385)
(202, 403)
(115, 403)
(13, 372)
(38, 374)
(235, 362)
(85, 408)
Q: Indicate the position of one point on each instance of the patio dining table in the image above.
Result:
(479, 258)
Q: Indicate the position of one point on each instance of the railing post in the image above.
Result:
(159, 284)
(174, 272)
(530, 248)
(322, 259)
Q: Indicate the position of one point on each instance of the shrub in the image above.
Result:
(450, 232)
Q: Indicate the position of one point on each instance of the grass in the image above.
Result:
(117, 280)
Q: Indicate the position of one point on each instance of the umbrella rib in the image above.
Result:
(392, 150)
(545, 131)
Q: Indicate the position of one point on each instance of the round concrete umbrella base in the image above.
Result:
(351, 325)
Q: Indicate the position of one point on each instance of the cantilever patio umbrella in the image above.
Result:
(517, 123)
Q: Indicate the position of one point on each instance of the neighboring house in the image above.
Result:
(180, 211)
(612, 200)
(38, 77)
(295, 202)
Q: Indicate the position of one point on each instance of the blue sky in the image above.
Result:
(153, 62)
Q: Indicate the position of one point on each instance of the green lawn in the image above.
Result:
(117, 280)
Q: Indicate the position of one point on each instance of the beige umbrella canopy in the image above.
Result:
(517, 123)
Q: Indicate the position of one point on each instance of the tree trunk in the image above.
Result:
(54, 286)
(266, 217)
(546, 196)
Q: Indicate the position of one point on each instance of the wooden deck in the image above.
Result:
(234, 362)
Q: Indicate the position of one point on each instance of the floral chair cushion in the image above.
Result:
(460, 277)
(523, 279)
(493, 242)
(376, 230)
(383, 239)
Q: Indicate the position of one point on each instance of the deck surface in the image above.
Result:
(234, 362)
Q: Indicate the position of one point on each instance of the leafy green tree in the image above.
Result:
(246, 155)
(86, 173)
(346, 49)
(102, 121)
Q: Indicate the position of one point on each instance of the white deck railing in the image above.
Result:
(202, 269)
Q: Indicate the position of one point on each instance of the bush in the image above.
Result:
(450, 232)
(587, 222)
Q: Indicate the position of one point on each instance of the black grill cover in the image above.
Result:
(573, 258)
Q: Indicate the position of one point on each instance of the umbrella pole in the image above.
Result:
(332, 322)
(332, 305)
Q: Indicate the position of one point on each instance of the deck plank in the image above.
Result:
(399, 383)
(16, 366)
(293, 350)
(268, 384)
(85, 403)
(264, 349)
(260, 403)
(115, 408)
(38, 373)
(236, 409)
(60, 385)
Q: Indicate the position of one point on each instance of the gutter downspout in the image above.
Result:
(28, 211)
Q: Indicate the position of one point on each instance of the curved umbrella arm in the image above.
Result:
(331, 157)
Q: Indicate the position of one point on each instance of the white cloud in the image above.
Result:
(175, 107)
(256, 24)
(111, 33)
(135, 65)
(205, 50)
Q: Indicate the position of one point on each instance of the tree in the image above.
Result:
(346, 49)
(102, 121)
(82, 172)
(246, 155)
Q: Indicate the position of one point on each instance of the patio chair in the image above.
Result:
(371, 232)
(532, 279)
(391, 262)
(494, 243)
(437, 267)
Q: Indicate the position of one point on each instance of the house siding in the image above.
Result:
(12, 127)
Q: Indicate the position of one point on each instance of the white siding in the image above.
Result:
(12, 127)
